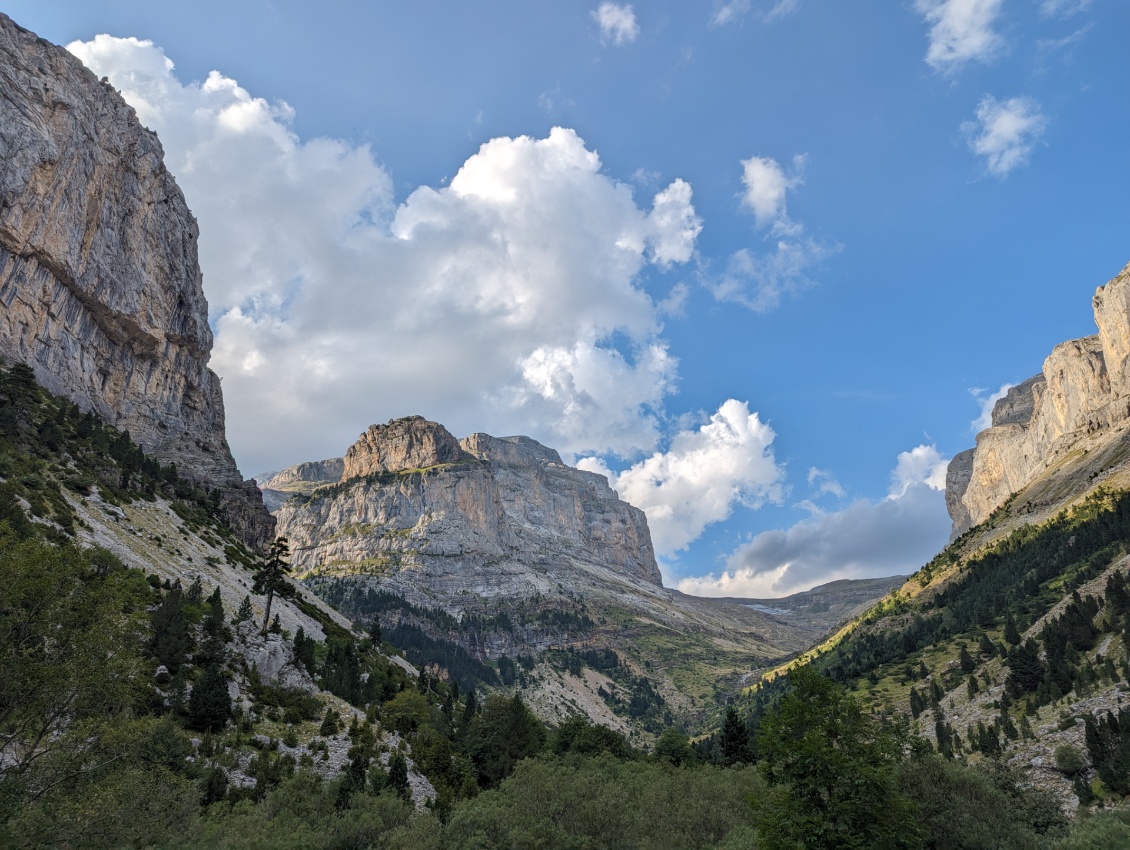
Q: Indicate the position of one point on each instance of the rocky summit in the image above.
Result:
(1058, 434)
(99, 281)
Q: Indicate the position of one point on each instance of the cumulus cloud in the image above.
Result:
(760, 280)
(617, 23)
(867, 539)
(703, 475)
(1005, 132)
(509, 300)
(921, 465)
(961, 31)
(987, 401)
(766, 186)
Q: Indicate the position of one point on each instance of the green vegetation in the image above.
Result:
(103, 672)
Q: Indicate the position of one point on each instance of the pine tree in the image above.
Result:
(171, 641)
(398, 775)
(304, 648)
(244, 613)
(734, 740)
(986, 647)
(1011, 633)
(1026, 670)
(968, 665)
(209, 706)
(270, 577)
(375, 630)
(329, 726)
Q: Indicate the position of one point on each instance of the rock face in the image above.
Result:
(304, 478)
(409, 443)
(99, 280)
(410, 493)
(577, 508)
(1069, 423)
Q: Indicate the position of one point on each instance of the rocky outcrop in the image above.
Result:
(305, 478)
(409, 443)
(1059, 423)
(546, 498)
(99, 280)
(410, 493)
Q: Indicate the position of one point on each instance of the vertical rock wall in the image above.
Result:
(100, 288)
(1083, 393)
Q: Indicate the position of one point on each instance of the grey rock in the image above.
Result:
(99, 279)
(1057, 432)
(409, 443)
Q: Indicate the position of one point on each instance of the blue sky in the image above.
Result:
(764, 273)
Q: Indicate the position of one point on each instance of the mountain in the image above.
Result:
(1014, 642)
(1059, 434)
(129, 541)
(99, 277)
(492, 551)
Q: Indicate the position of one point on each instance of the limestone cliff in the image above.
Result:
(99, 280)
(1059, 432)
(410, 493)
(409, 443)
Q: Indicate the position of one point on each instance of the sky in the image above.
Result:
(764, 263)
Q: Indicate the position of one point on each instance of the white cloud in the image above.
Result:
(987, 401)
(782, 8)
(728, 12)
(766, 189)
(760, 280)
(824, 483)
(617, 23)
(1005, 132)
(488, 304)
(702, 476)
(733, 11)
(960, 31)
(1063, 8)
(921, 465)
(867, 539)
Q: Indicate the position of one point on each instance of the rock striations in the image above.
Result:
(99, 280)
(1059, 433)
(411, 496)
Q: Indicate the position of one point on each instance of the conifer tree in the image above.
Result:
(734, 740)
(398, 775)
(1011, 633)
(209, 706)
(244, 613)
(270, 577)
(968, 665)
(171, 640)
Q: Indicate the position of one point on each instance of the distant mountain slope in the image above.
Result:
(823, 608)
